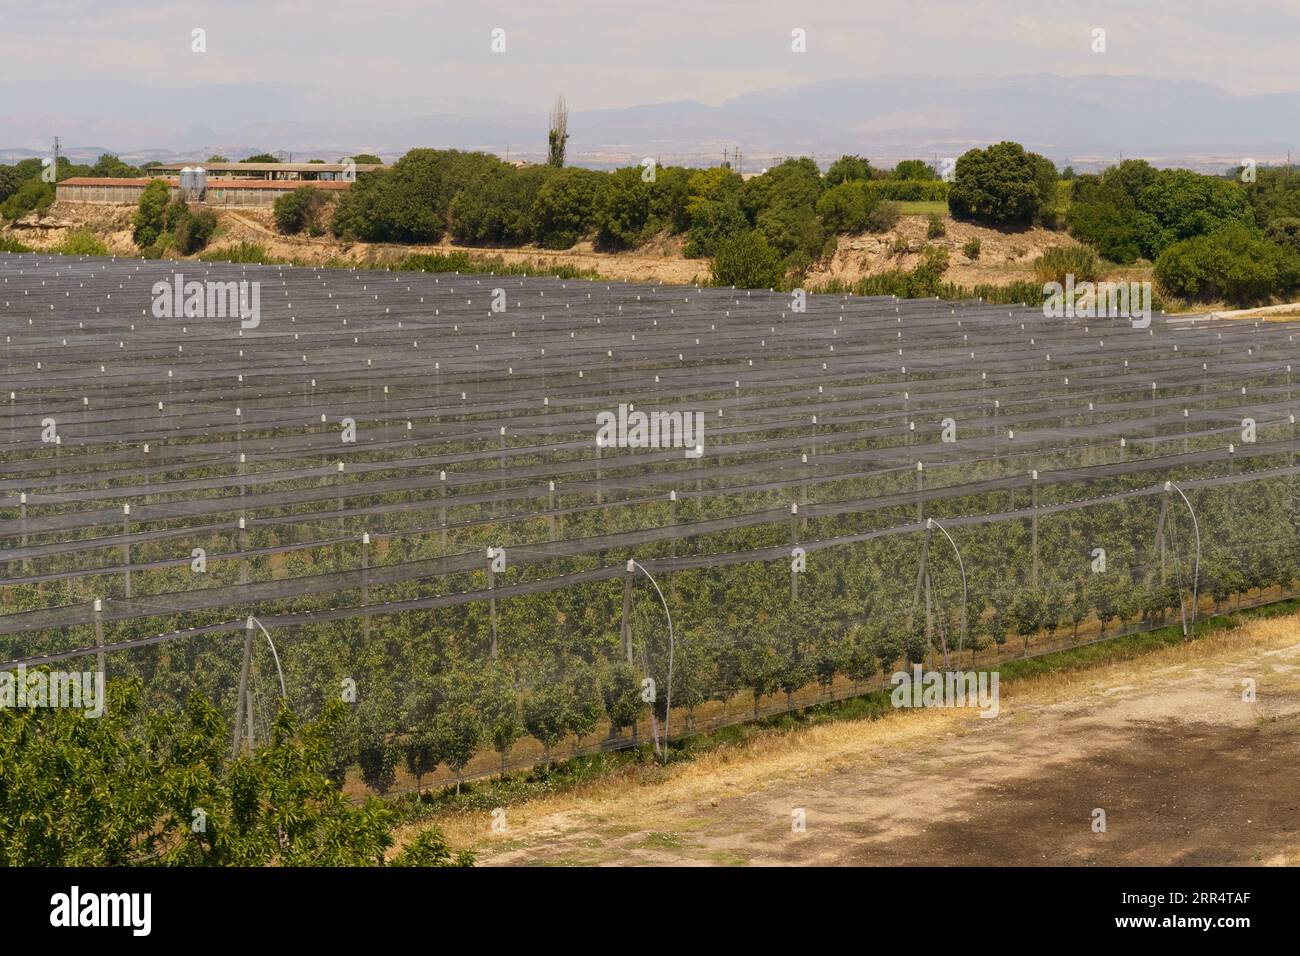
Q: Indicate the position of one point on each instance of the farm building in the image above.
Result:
(215, 192)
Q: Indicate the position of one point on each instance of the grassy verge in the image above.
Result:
(923, 208)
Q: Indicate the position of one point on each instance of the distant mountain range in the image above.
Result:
(1086, 120)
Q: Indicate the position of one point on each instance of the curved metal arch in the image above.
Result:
(279, 673)
(961, 565)
(1196, 566)
(668, 707)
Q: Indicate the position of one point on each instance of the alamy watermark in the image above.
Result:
(920, 688)
(629, 428)
(177, 298)
(83, 690)
(1098, 300)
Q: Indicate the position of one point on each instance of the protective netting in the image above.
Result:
(187, 473)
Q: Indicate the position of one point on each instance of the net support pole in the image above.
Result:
(625, 631)
(242, 693)
(794, 543)
(1033, 522)
(492, 602)
(126, 548)
(101, 664)
(365, 582)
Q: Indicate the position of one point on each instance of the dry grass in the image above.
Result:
(652, 798)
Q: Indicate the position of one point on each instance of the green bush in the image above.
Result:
(194, 230)
(1285, 231)
(33, 195)
(915, 169)
(935, 228)
(747, 261)
(1059, 261)
(884, 217)
(244, 252)
(1233, 265)
(302, 209)
(971, 248)
(151, 213)
(83, 242)
(13, 245)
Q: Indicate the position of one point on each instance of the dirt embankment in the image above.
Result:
(1186, 771)
(1003, 256)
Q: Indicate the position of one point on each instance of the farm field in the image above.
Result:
(1184, 768)
(420, 493)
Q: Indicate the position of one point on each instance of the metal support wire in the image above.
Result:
(668, 707)
(1196, 567)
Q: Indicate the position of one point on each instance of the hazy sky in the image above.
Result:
(602, 53)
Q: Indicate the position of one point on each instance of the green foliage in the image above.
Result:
(430, 848)
(1285, 231)
(10, 180)
(884, 216)
(31, 195)
(260, 158)
(1233, 265)
(1134, 211)
(1059, 261)
(495, 207)
(848, 169)
(302, 209)
(83, 242)
(971, 248)
(747, 261)
(151, 212)
(242, 252)
(1002, 185)
(367, 159)
(915, 169)
(13, 245)
(845, 208)
(564, 211)
(137, 787)
(935, 228)
(110, 167)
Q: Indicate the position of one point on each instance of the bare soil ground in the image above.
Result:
(1004, 256)
(1187, 772)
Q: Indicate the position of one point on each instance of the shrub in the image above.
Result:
(151, 213)
(935, 228)
(848, 169)
(884, 217)
(1059, 261)
(1285, 231)
(33, 195)
(13, 245)
(1233, 264)
(915, 169)
(301, 209)
(194, 230)
(748, 261)
(430, 848)
(244, 252)
(971, 248)
(83, 242)
(846, 207)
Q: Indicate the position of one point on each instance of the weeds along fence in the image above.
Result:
(421, 492)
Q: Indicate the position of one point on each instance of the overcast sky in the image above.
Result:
(615, 53)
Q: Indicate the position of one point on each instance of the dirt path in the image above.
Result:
(1186, 771)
